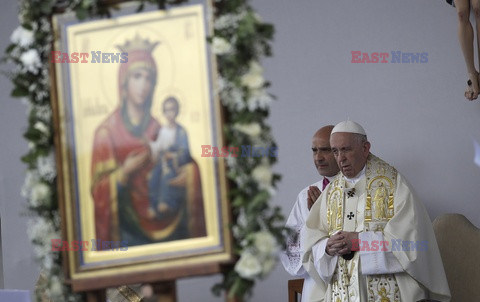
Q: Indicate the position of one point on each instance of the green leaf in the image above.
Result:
(10, 47)
(258, 201)
(27, 26)
(81, 13)
(235, 289)
(238, 201)
(46, 7)
(217, 289)
(19, 92)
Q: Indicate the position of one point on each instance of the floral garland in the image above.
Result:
(240, 40)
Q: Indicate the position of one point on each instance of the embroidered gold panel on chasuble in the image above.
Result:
(380, 184)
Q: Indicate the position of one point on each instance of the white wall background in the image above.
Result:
(415, 114)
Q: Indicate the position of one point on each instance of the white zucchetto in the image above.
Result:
(349, 127)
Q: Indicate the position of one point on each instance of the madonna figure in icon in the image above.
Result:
(122, 162)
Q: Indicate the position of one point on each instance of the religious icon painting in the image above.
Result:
(134, 103)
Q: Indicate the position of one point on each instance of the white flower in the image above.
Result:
(220, 46)
(242, 218)
(221, 83)
(223, 22)
(45, 27)
(257, 17)
(42, 231)
(258, 99)
(236, 231)
(46, 166)
(252, 129)
(231, 162)
(40, 192)
(22, 36)
(248, 266)
(263, 175)
(43, 112)
(241, 180)
(267, 265)
(31, 60)
(32, 87)
(254, 78)
(228, 20)
(255, 68)
(41, 95)
(55, 287)
(40, 126)
(48, 263)
(265, 243)
(231, 95)
(235, 98)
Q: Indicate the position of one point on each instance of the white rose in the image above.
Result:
(223, 21)
(252, 129)
(263, 175)
(252, 81)
(265, 243)
(255, 68)
(248, 266)
(31, 60)
(254, 78)
(55, 287)
(40, 192)
(220, 46)
(22, 36)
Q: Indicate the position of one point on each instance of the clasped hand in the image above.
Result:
(340, 243)
(313, 194)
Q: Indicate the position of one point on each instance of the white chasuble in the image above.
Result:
(382, 208)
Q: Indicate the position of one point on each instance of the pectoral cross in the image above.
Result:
(350, 216)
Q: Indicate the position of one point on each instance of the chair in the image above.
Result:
(295, 287)
(459, 243)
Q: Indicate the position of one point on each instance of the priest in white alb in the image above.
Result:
(326, 165)
(368, 237)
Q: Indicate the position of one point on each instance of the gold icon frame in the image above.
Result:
(84, 94)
